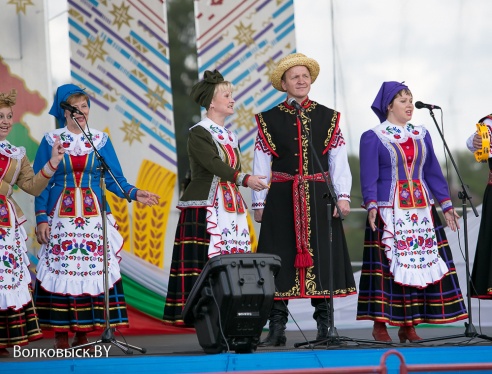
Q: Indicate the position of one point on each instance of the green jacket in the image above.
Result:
(209, 163)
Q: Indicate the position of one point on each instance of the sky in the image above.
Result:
(440, 48)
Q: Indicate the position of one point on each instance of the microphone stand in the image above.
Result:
(108, 333)
(464, 195)
(332, 337)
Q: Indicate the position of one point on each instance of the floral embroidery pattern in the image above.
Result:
(231, 241)
(8, 148)
(221, 132)
(234, 234)
(78, 144)
(411, 194)
(399, 133)
(416, 244)
(13, 267)
(78, 250)
(4, 212)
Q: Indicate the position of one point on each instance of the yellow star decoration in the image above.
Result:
(121, 15)
(245, 118)
(20, 5)
(247, 162)
(156, 98)
(95, 50)
(132, 131)
(270, 67)
(245, 34)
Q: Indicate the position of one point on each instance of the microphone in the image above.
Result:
(295, 104)
(70, 108)
(420, 105)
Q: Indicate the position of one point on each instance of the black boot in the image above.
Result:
(276, 329)
(322, 319)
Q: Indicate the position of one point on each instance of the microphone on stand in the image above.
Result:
(420, 105)
(295, 104)
(70, 108)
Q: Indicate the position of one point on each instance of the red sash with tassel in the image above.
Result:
(303, 257)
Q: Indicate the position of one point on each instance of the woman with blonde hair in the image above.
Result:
(18, 317)
(213, 215)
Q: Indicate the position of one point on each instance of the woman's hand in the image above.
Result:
(147, 198)
(452, 219)
(255, 182)
(43, 233)
(57, 153)
(373, 213)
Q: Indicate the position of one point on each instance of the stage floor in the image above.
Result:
(182, 353)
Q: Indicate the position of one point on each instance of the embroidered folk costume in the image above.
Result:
(294, 223)
(213, 216)
(481, 277)
(293, 214)
(18, 318)
(408, 274)
(70, 289)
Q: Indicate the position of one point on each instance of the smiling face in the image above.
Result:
(401, 108)
(6, 116)
(78, 101)
(297, 82)
(222, 102)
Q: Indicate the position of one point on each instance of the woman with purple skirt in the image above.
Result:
(408, 275)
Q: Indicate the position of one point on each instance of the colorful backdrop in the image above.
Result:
(119, 53)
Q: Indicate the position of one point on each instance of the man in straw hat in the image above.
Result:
(293, 214)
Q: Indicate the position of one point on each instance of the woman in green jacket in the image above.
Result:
(213, 218)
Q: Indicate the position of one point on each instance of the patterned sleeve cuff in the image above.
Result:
(372, 205)
(48, 170)
(242, 179)
(446, 205)
(41, 217)
(133, 193)
(258, 205)
(344, 196)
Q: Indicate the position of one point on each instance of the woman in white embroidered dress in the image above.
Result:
(213, 217)
(69, 291)
(408, 275)
(18, 319)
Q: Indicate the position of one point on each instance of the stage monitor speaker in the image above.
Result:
(231, 301)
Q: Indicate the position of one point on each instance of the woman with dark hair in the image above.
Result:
(408, 275)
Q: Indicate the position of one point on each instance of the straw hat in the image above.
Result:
(295, 59)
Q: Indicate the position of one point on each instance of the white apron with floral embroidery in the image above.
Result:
(409, 234)
(72, 262)
(228, 228)
(411, 247)
(15, 277)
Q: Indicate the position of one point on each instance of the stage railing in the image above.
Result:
(383, 367)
